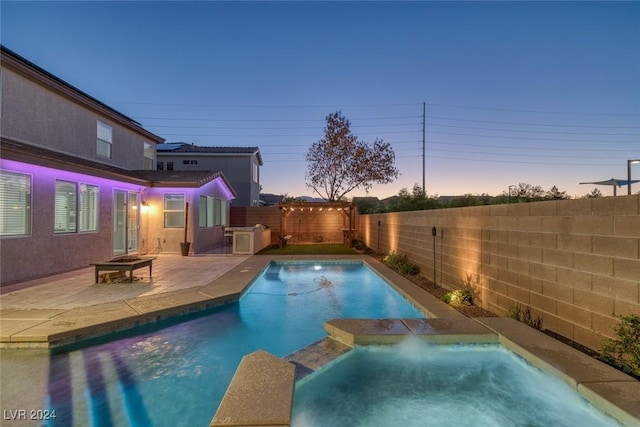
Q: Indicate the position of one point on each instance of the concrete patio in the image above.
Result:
(67, 307)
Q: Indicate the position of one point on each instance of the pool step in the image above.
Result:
(314, 356)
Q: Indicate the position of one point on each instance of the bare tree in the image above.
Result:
(340, 162)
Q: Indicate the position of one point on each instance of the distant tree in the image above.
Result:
(366, 205)
(524, 193)
(340, 162)
(593, 195)
(555, 194)
(412, 201)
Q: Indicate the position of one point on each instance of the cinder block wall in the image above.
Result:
(241, 216)
(576, 263)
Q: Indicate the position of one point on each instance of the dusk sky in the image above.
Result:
(545, 93)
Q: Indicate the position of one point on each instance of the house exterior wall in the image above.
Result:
(576, 263)
(51, 117)
(156, 238)
(43, 252)
(39, 110)
(237, 169)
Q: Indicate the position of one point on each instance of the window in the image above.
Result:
(65, 211)
(218, 216)
(207, 214)
(203, 211)
(15, 204)
(194, 162)
(169, 166)
(210, 211)
(149, 156)
(255, 172)
(73, 213)
(223, 212)
(174, 210)
(160, 166)
(185, 162)
(89, 197)
(104, 140)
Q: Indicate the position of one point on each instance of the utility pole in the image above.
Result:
(424, 158)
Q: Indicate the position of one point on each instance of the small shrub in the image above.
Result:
(393, 259)
(458, 296)
(624, 352)
(401, 263)
(516, 312)
(360, 246)
(409, 269)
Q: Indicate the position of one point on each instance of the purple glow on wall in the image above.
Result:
(222, 187)
(44, 173)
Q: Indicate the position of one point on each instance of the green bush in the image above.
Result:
(516, 312)
(458, 296)
(409, 269)
(624, 352)
(393, 259)
(401, 263)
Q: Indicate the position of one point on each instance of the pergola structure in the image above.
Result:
(310, 221)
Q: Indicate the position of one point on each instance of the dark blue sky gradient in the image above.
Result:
(546, 93)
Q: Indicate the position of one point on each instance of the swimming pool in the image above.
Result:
(177, 375)
(418, 384)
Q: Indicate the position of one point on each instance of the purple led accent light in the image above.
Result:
(42, 174)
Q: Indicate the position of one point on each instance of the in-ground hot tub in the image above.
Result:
(420, 384)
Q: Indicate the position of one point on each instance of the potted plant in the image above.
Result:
(184, 245)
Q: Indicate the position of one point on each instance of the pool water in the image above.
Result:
(418, 384)
(177, 376)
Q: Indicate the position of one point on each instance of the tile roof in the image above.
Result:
(181, 147)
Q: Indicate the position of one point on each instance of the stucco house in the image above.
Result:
(241, 166)
(78, 182)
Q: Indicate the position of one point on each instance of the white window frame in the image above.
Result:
(224, 208)
(65, 210)
(15, 204)
(173, 218)
(207, 212)
(104, 140)
(88, 207)
(149, 153)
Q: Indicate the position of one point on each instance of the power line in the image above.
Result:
(523, 162)
(274, 127)
(532, 124)
(269, 120)
(279, 136)
(604, 150)
(261, 106)
(525, 155)
(534, 139)
(249, 106)
(532, 111)
(536, 131)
